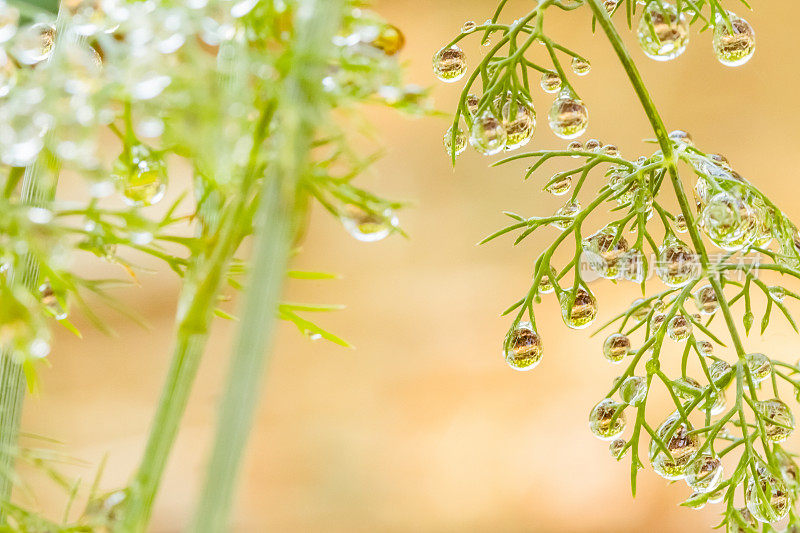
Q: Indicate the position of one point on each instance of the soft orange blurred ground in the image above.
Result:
(423, 427)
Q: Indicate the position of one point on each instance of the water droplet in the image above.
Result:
(583, 310)
(141, 176)
(776, 501)
(662, 33)
(706, 300)
(729, 221)
(682, 137)
(472, 102)
(789, 470)
(680, 223)
(679, 328)
(704, 474)
(721, 374)
(759, 365)
(390, 40)
(610, 5)
(9, 20)
(460, 144)
(488, 136)
(605, 251)
(607, 420)
(570, 210)
(545, 285)
(468, 26)
(734, 46)
(642, 309)
(50, 301)
(617, 448)
(593, 145)
(568, 116)
(519, 121)
(559, 185)
(777, 293)
(656, 321)
(39, 348)
(693, 386)
(575, 146)
(523, 347)
(616, 347)
(35, 43)
(632, 266)
(633, 390)
(611, 150)
(581, 66)
(682, 445)
(450, 64)
(705, 347)
(677, 263)
(367, 226)
(550, 82)
(779, 422)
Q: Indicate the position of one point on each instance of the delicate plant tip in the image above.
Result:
(488, 135)
(568, 116)
(616, 347)
(663, 33)
(450, 64)
(461, 141)
(50, 301)
(679, 328)
(733, 46)
(141, 175)
(766, 496)
(523, 347)
(682, 446)
(582, 311)
(633, 390)
(617, 448)
(607, 420)
(366, 226)
(581, 66)
(779, 421)
(704, 474)
(559, 185)
(569, 210)
(550, 82)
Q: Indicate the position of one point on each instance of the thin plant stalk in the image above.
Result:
(300, 111)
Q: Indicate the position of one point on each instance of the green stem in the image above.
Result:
(195, 312)
(665, 143)
(299, 113)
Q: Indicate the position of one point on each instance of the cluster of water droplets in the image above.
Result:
(663, 34)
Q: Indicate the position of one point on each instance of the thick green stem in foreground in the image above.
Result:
(300, 109)
(195, 312)
(36, 189)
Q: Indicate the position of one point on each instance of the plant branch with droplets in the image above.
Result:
(698, 440)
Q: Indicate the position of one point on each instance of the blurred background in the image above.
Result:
(423, 427)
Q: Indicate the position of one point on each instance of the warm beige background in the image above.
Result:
(423, 427)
